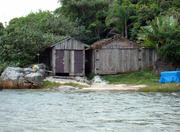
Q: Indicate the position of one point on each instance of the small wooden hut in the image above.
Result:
(118, 55)
(68, 57)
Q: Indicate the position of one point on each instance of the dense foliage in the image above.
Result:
(163, 34)
(89, 13)
(89, 21)
(26, 37)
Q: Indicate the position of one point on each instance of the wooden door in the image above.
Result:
(59, 61)
(78, 61)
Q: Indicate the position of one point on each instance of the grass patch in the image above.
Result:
(75, 85)
(143, 77)
(49, 84)
(140, 77)
(168, 87)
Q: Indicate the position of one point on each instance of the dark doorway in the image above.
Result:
(59, 61)
(78, 61)
(88, 64)
(62, 74)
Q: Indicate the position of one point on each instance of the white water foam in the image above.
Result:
(97, 79)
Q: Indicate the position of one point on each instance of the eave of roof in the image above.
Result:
(65, 39)
(101, 43)
(59, 42)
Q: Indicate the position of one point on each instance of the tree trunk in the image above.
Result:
(126, 29)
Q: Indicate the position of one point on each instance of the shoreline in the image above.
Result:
(94, 86)
(83, 85)
(101, 85)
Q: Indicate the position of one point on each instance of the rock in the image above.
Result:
(18, 78)
(82, 80)
(12, 73)
(34, 77)
(28, 70)
(42, 72)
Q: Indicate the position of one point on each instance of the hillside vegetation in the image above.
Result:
(154, 23)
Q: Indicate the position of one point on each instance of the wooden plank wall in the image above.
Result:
(69, 47)
(120, 60)
(69, 62)
(70, 44)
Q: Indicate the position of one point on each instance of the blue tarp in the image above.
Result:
(170, 76)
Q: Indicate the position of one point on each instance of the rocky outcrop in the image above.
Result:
(21, 78)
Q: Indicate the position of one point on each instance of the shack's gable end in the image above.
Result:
(120, 44)
(68, 57)
(70, 44)
(115, 42)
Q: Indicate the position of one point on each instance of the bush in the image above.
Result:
(3, 65)
(91, 76)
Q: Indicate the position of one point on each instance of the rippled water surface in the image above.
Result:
(54, 111)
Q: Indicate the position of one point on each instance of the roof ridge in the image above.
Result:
(101, 43)
(60, 41)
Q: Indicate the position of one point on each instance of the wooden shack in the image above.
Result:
(68, 57)
(119, 55)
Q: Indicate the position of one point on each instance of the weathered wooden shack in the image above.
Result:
(119, 55)
(68, 57)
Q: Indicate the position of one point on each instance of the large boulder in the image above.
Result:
(21, 78)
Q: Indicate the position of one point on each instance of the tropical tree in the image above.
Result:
(117, 18)
(162, 34)
(155, 35)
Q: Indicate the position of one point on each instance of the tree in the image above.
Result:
(38, 21)
(62, 26)
(25, 37)
(1, 29)
(91, 14)
(117, 17)
(162, 34)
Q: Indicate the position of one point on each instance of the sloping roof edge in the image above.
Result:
(65, 39)
(60, 41)
(100, 43)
